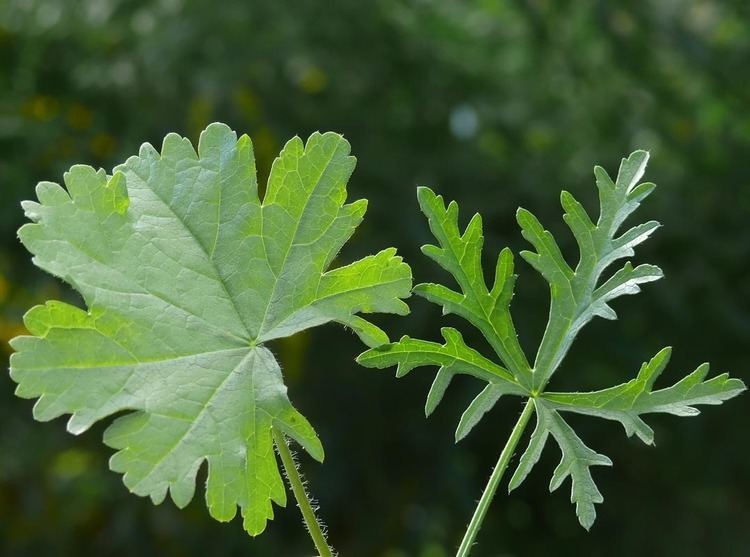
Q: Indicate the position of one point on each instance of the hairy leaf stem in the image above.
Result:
(494, 481)
(300, 494)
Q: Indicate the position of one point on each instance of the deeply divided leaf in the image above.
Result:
(579, 291)
(576, 461)
(186, 274)
(627, 402)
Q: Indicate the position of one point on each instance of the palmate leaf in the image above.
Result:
(186, 275)
(577, 295)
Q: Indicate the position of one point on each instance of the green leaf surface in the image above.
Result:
(461, 255)
(575, 297)
(576, 461)
(453, 358)
(627, 402)
(186, 274)
(578, 293)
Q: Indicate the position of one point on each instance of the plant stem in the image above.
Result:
(494, 481)
(300, 494)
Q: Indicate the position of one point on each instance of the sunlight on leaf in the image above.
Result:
(186, 275)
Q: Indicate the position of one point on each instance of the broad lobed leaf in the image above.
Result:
(186, 274)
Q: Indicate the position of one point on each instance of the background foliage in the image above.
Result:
(498, 104)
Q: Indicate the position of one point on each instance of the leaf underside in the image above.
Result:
(186, 274)
(577, 295)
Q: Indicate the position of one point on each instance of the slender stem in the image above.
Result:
(303, 501)
(494, 481)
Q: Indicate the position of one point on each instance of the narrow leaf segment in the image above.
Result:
(577, 294)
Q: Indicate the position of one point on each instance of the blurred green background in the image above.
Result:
(497, 104)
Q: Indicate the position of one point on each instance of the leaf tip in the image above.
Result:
(77, 425)
(425, 198)
(401, 370)
(424, 192)
(522, 215)
(566, 198)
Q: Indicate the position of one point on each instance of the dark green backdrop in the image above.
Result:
(498, 104)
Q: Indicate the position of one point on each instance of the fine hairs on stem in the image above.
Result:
(306, 504)
(492, 484)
